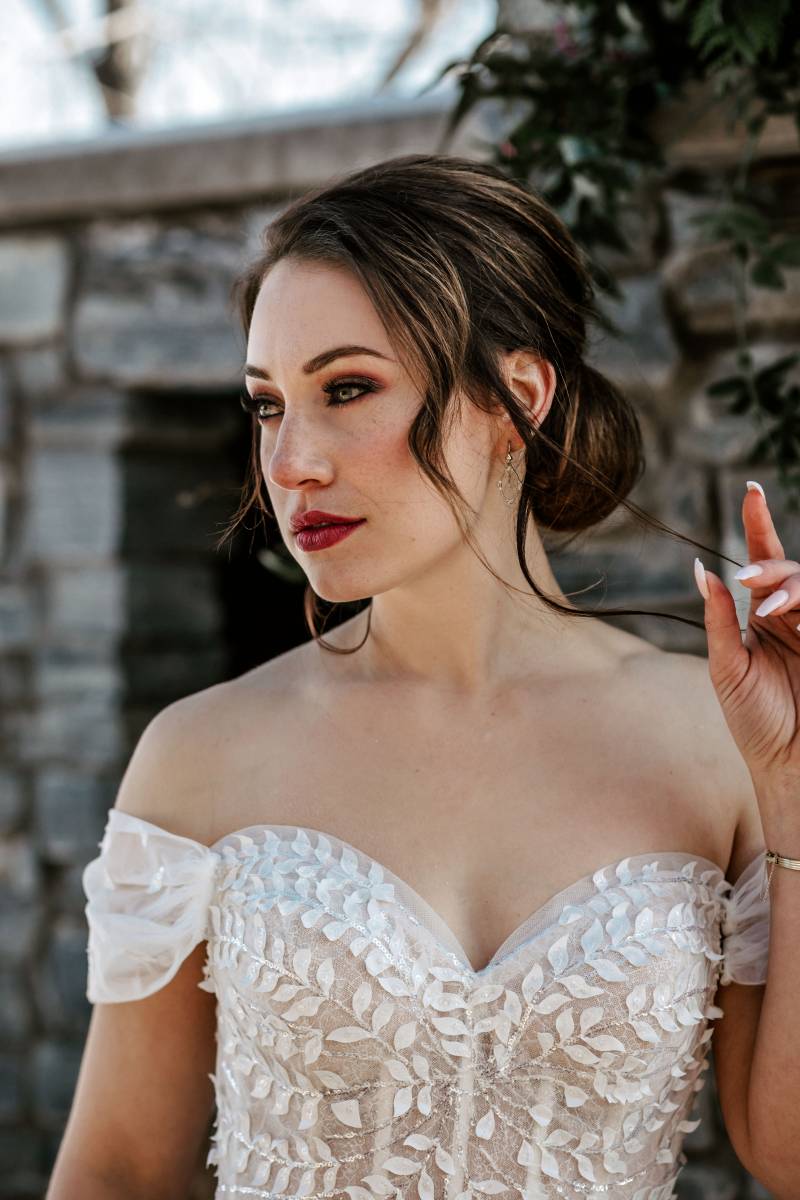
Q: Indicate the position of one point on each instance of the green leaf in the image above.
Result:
(730, 384)
(788, 251)
(766, 274)
(742, 404)
(707, 18)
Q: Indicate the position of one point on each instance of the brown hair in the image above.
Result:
(462, 262)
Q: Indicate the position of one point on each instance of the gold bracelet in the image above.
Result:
(773, 858)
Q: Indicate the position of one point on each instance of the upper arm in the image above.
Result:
(144, 1099)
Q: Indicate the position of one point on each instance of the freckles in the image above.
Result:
(387, 447)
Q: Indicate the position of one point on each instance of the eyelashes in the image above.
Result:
(253, 404)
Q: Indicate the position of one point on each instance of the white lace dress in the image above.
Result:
(359, 1053)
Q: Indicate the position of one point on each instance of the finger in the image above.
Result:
(728, 657)
(760, 533)
(781, 601)
(764, 577)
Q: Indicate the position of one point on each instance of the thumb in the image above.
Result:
(728, 657)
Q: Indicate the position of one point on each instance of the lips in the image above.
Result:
(315, 518)
(326, 524)
(320, 537)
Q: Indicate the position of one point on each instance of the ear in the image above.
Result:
(532, 379)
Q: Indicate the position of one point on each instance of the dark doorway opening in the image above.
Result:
(262, 612)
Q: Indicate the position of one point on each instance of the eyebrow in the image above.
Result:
(319, 361)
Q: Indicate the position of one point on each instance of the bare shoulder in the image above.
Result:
(188, 750)
(680, 687)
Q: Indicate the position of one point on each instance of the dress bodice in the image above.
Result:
(358, 1051)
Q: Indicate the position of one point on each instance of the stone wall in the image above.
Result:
(121, 450)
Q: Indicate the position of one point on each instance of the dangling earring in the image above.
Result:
(507, 478)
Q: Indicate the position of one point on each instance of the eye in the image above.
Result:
(256, 404)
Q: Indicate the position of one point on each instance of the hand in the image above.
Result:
(757, 678)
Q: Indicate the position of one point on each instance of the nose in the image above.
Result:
(296, 458)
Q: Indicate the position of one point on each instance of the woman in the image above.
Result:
(459, 890)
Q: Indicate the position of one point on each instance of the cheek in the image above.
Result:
(378, 458)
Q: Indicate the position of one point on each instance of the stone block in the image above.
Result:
(74, 510)
(60, 977)
(15, 1005)
(700, 285)
(39, 370)
(17, 617)
(100, 417)
(81, 730)
(87, 601)
(21, 900)
(34, 273)
(16, 684)
(74, 670)
(21, 926)
(15, 680)
(70, 809)
(20, 874)
(644, 353)
(54, 1072)
(138, 601)
(79, 417)
(13, 800)
(153, 307)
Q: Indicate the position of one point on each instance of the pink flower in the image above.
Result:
(562, 35)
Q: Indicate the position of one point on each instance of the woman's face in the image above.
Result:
(352, 459)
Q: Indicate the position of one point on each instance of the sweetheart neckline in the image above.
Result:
(438, 920)
(435, 918)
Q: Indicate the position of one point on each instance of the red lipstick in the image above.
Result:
(320, 537)
(317, 516)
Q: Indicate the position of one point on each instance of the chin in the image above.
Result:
(334, 592)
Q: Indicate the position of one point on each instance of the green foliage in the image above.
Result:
(578, 103)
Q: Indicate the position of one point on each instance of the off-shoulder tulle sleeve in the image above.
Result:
(148, 896)
(745, 927)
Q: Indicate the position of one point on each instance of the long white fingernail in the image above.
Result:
(700, 578)
(772, 602)
(752, 486)
(749, 572)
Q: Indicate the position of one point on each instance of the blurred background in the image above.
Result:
(78, 68)
(143, 148)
